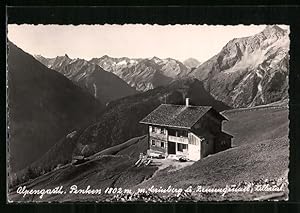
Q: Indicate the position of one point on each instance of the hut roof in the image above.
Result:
(180, 116)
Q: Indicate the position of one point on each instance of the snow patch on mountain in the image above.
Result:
(143, 74)
(123, 62)
(95, 90)
(249, 71)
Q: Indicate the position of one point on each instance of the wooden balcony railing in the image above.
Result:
(183, 140)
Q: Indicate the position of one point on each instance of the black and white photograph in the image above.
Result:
(147, 113)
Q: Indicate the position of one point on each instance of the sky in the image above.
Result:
(131, 40)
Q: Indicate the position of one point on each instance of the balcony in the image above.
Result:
(158, 136)
(183, 140)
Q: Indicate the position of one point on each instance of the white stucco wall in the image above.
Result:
(194, 149)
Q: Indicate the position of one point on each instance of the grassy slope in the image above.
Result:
(262, 150)
(257, 124)
(251, 162)
(265, 157)
(105, 170)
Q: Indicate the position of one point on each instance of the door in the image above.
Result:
(171, 148)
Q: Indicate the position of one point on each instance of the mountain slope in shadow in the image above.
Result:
(43, 106)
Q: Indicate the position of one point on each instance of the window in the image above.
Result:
(172, 132)
(153, 142)
(162, 131)
(178, 133)
(162, 144)
(182, 133)
(181, 147)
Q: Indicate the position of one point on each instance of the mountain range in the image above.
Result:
(141, 74)
(144, 74)
(102, 85)
(249, 71)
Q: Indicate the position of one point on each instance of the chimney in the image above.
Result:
(187, 102)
